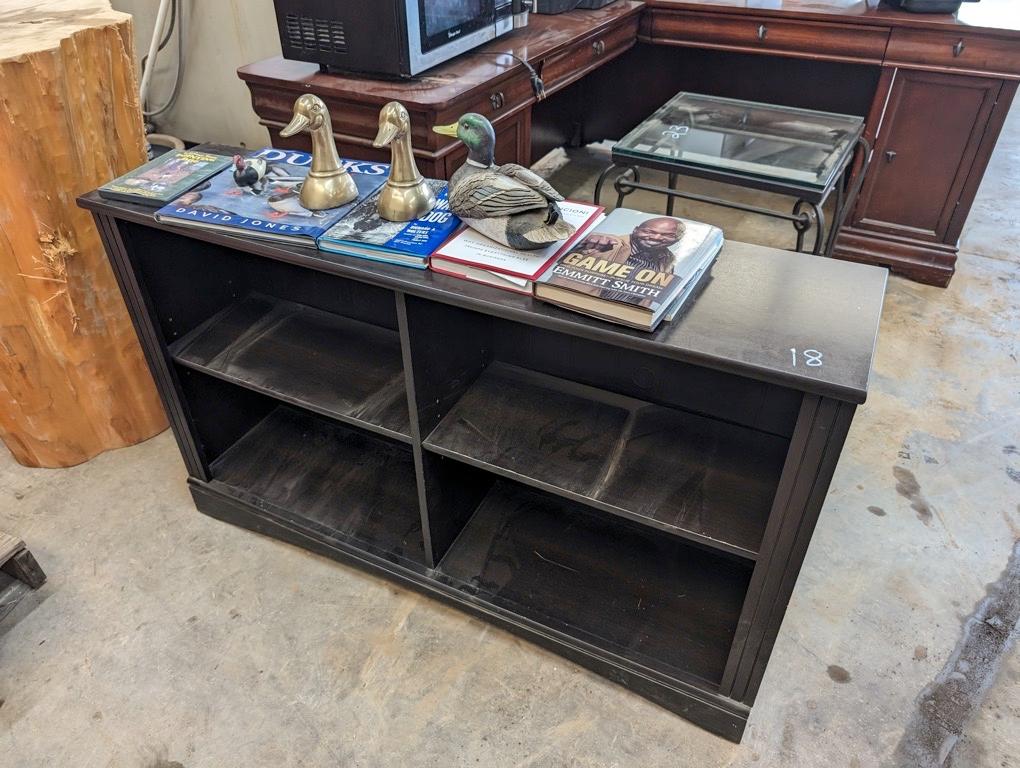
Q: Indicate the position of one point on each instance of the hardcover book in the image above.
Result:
(470, 255)
(266, 204)
(365, 234)
(165, 178)
(634, 268)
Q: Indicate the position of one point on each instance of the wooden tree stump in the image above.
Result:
(73, 381)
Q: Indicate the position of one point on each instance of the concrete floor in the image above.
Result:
(165, 639)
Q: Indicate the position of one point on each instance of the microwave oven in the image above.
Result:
(396, 38)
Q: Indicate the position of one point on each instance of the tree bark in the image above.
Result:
(73, 380)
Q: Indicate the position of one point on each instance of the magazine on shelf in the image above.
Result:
(165, 178)
(270, 208)
(365, 234)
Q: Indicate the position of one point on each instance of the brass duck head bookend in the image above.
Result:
(406, 195)
(328, 184)
(507, 203)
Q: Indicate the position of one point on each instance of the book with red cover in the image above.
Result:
(470, 255)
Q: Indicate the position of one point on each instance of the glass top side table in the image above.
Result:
(802, 153)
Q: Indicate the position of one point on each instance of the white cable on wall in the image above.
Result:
(154, 48)
(150, 63)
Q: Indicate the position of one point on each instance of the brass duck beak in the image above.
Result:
(387, 133)
(446, 130)
(308, 113)
(297, 124)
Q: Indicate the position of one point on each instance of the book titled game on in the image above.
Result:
(365, 234)
(634, 268)
(261, 198)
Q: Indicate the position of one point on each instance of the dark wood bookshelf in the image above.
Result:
(638, 503)
(696, 477)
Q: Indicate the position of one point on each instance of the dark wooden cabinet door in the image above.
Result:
(930, 139)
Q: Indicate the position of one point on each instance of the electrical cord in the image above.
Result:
(177, 16)
(169, 32)
(536, 82)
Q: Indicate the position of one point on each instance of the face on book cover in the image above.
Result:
(654, 234)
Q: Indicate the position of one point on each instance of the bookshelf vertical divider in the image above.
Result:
(638, 503)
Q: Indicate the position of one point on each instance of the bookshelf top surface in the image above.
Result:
(789, 318)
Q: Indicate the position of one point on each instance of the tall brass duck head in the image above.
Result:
(406, 195)
(328, 185)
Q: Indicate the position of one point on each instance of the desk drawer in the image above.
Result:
(500, 99)
(565, 67)
(963, 51)
(790, 38)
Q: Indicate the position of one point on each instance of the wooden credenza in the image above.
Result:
(942, 88)
(934, 91)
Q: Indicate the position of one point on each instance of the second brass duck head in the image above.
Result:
(394, 123)
(406, 194)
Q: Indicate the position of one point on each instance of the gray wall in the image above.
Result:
(220, 35)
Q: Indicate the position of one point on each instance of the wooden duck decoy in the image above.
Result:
(328, 184)
(508, 203)
(406, 195)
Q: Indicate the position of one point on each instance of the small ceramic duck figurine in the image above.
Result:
(328, 184)
(406, 195)
(508, 203)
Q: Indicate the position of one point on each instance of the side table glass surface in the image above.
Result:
(788, 146)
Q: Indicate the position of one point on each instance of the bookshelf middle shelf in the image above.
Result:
(697, 477)
(335, 366)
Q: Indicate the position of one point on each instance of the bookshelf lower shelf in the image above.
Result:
(637, 593)
(337, 483)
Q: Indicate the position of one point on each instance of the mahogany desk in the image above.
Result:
(934, 90)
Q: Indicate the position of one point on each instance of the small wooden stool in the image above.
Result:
(19, 572)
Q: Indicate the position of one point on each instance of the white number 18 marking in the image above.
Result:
(812, 357)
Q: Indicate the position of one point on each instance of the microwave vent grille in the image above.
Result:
(311, 34)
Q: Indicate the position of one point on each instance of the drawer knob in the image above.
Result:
(958, 48)
(763, 31)
(598, 47)
(496, 100)
(890, 155)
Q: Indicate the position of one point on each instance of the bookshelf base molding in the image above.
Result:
(637, 503)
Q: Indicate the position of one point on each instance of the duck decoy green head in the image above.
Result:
(477, 134)
(309, 110)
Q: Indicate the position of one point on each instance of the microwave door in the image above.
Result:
(438, 30)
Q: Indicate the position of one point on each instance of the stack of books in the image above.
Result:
(633, 268)
(472, 256)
